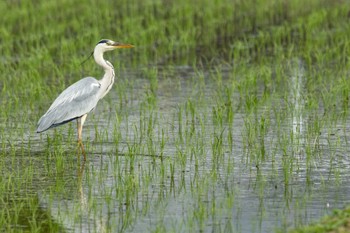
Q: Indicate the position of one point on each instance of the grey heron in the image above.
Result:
(80, 98)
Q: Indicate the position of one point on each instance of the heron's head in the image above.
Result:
(108, 45)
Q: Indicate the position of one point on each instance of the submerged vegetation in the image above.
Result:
(228, 116)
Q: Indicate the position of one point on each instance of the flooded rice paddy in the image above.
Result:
(181, 150)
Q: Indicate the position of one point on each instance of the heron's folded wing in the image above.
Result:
(77, 100)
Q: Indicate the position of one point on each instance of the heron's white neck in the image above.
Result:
(98, 56)
(108, 78)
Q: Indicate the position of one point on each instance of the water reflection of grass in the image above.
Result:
(226, 68)
(26, 215)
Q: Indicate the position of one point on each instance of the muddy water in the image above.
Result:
(218, 182)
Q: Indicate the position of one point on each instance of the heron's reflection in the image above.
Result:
(80, 175)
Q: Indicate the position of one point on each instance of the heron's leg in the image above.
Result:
(80, 123)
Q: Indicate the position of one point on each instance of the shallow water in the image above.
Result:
(162, 161)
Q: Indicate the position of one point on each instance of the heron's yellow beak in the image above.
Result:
(121, 45)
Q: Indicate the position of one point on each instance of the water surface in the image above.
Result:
(177, 153)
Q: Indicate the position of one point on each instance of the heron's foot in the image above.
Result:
(81, 147)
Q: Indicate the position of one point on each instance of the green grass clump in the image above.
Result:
(338, 222)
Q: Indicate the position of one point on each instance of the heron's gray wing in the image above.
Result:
(77, 100)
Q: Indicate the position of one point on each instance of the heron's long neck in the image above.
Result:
(108, 78)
